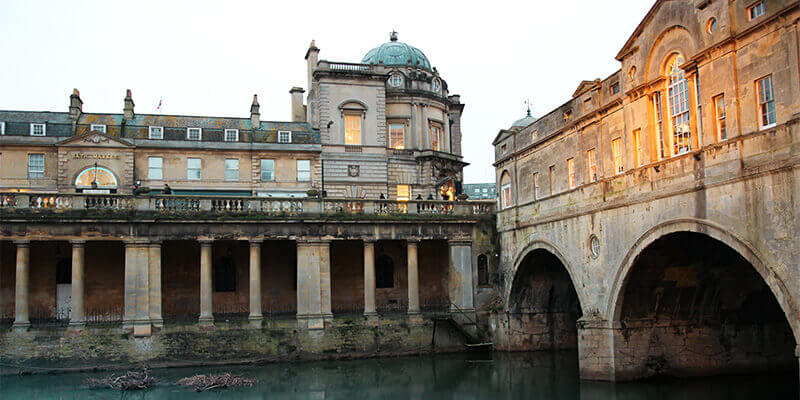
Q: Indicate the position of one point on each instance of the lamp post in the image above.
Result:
(94, 178)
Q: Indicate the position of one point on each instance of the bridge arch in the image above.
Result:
(550, 248)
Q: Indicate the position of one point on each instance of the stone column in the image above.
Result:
(596, 350)
(313, 283)
(131, 261)
(413, 277)
(77, 318)
(21, 321)
(255, 283)
(137, 288)
(369, 278)
(154, 269)
(460, 272)
(206, 290)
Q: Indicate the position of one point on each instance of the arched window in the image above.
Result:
(505, 190)
(483, 270)
(96, 177)
(678, 105)
(384, 272)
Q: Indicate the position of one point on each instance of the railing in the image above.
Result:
(341, 66)
(181, 204)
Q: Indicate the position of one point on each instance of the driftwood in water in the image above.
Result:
(131, 380)
(203, 382)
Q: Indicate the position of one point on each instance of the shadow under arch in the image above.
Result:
(694, 225)
(550, 248)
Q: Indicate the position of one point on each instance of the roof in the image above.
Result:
(397, 53)
(638, 30)
(525, 121)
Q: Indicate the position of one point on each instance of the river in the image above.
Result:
(542, 375)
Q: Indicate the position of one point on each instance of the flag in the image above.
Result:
(159, 104)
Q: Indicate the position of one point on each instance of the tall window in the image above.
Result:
(766, 102)
(231, 135)
(397, 136)
(591, 165)
(659, 124)
(284, 136)
(193, 166)
(637, 143)
(505, 190)
(303, 170)
(155, 168)
(536, 191)
(571, 172)
(232, 169)
(35, 166)
(719, 116)
(755, 11)
(98, 128)
(679, 106)
(616, 150)
(38, 130)
(156, 132)
(352, 130)
(552, 178)
(194, 133)
(403, 192)
(267, 170)
(436, 136)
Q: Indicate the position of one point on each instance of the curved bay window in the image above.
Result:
(678, 105)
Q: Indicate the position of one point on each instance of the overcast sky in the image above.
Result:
(210, 57)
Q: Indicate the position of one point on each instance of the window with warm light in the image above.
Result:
(352, 130)
(403, 192)
(637, 143)
(679, 106)
(591, 165)
(397, 136)
(766, 102)
(571, 172)
(719, 116)
(616, 150)
(659, 125)
(435, 134)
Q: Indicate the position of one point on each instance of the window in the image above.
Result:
(552, 179)
(483, 270)
(284, 136)
(231, 135)
(632, 72)
(397, 136)
(38, 129)
(267, 170)
(711, 25)
(658, 123)
(384, 272)
(225, 273)
(395, 80)
(232, 169)
(303, 170)
(679, 106)
(504, 148)
(587, 104)
(766, 102)
(719, 116)
(194, 133)
(155, 168)
(536, 191)
(591, 165)
(755, 11)
(615, 88)
(435, 85)
(616, 150)
(35, 166)
(505, 190)
(638, 156)
(193, 166)
(571, 172)
(98, 128)
(2, 128)
(352, 130)
(156, 132)
(403, 192)
(435, 133)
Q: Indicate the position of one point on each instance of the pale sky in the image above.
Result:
(210, 57)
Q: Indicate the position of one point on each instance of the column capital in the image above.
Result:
(415, 241)
(256, 242)
(459, 242)
(22, 243)
(205, 242)
(369, 240)
(314, 241)
(77, 242)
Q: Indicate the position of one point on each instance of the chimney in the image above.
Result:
(255, 115)
(298, 111)
(312, 57)
(127, 111)
(75, 105)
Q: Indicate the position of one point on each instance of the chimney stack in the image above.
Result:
(255, 115)
(312, 57)
(75, 105)
(128, 109)
(298, 109)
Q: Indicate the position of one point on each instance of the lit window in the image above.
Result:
(303, 170)
(719, 115)
(395, 80)
(637, 142)
(679, 106)
(571, 172)
(193, 166)
(194, 133)
(659, 126)
(403, 192)
(435, 134)
(591, 165)
(536, 190)
(755, 11)
(155, 168)
(352, 130)
(231, 169)
(552, 178)
(284, 136)
(766, 102)
(98, 128)
(38, 129)
(267, 170)
(156, 132)
(35, 166)
(616, 149)
(231, 135)
(397, 136)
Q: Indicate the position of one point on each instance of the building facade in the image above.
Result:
(651, 221)
(484, 191)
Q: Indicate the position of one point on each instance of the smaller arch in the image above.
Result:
(674, 39)
(101, 175)
(506, 190)
(549, 247)
(353, 105)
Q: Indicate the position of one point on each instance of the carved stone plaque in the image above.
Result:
(353, 170)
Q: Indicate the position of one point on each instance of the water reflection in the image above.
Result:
(486, 376)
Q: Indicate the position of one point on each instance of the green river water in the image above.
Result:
(542, 375)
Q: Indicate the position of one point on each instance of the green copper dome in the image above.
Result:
(396, 53)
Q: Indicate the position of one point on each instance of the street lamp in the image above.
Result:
(94, 178)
